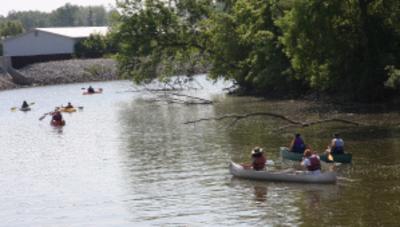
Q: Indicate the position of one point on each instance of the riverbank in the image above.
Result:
(64, 72)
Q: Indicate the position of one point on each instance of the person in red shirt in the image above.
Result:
(258, 159)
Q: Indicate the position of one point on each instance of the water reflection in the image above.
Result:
(260, 193)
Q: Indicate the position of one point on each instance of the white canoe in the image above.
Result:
(303, 177)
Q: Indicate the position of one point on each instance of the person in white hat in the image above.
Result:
(258, 158)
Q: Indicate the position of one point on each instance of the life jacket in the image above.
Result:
(259, 162)
(57, 117)
(315, 164)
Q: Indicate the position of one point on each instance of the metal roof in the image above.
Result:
(75, 32)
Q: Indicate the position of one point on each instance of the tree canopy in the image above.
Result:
(346, 48)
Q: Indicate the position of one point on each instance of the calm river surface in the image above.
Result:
(128, 160)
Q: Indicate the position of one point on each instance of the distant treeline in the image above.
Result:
(341, 48)
(67, 15)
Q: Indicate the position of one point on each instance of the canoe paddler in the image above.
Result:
(311, 162)
(297, 145)
(337, 145)
(258, 160)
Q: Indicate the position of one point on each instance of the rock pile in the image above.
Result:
(71, 71)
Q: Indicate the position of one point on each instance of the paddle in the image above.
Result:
(44, 115)
(329, 155)
(14, 108)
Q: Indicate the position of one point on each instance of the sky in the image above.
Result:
(47, 5)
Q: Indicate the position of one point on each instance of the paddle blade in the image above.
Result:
(42, 117)
(330, 157)
(32, 103)
(13, 108)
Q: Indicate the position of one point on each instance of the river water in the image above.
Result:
(127, 159)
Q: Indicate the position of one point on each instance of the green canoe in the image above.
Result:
(342, 158)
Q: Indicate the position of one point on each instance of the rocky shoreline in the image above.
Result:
(65, 71)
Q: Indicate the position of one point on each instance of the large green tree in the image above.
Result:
(350, 48)
(343, 47)
(236, 40)
(157, 40)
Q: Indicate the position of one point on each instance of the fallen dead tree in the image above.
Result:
(238, 117)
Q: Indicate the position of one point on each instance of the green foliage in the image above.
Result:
(343, 46)
(393, 81)
(67, 15)
(30, 19)
(245, 47)
(10, 28)
(233, 39)
(94, 47)
(156, 40)
(351, 48)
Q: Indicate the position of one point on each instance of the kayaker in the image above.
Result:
(337, 145)
(90, 90)
(24, 105)
(69, 106)
(57, 116)
(311, 162)
(297, 145)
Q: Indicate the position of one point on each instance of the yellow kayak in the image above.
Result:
(67, 110)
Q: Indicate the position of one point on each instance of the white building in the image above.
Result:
(41, 44)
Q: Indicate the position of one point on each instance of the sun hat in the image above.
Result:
(257, 150)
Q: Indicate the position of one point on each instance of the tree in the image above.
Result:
(158, 41)
(65, 15)
(343, 47)
(30, 19)
(235, 40)
(93, 47)
(244, 47)
(279, 46)
(10, 28)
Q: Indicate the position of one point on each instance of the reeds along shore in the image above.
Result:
(65, 71)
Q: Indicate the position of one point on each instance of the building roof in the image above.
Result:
(75, 32)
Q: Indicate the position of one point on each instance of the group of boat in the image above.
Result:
(328, 177)
(27, 107)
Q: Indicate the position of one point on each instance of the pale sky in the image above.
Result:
(47, 5)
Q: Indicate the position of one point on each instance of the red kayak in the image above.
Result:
(57, 123)
(99, 91)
